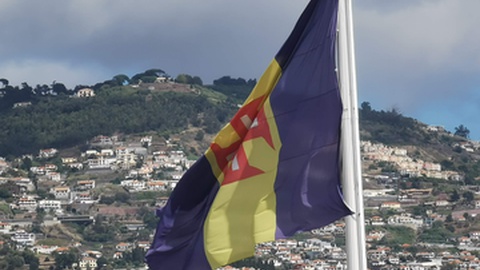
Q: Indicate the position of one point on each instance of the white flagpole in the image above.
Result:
(351, 162)
(360, 213)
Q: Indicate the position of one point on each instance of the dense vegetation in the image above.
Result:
(238, 88)
(55, 119)
(389, 127)
(67, 121)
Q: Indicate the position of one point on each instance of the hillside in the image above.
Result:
(45, 116)
(433, 144)
(65, 121)
(122, 148)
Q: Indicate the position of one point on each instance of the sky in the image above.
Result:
(420, 57)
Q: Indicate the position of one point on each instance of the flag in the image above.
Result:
(273, 170)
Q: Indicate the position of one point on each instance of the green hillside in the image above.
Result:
(64, 121)
(52, 116)
(430, 144)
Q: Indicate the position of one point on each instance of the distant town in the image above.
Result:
(50, 199)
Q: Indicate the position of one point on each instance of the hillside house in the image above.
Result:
(5, 228)
(61, 192)
(27, 203)
(87, 263)
(44, 249)
(54, 176)
(391, 205)
(101, 162)
(85, 92)
(22, 104)
(22, 238)
(47, 153)
(48, 205)
(67, 160)
(123, 246)
(85, 185)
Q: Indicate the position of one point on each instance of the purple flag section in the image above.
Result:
(178, 242)
(307, 110)
(307, 107)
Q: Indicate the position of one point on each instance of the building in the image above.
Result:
(61, 192)
(390, 205)
(50, 205)
(87, 263)
(85, 184)
(47, 153)
(85, 92)
(22, 238)
(5, 228)
(27, 203)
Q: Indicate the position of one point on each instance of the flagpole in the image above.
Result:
(351, 162)
(360, 213)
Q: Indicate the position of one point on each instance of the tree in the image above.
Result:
(199, 136)
(419, 210)
(365, 110)
(122, 197)
(121, 79)
(59, 88)
(184, 78)
(26, 164)
(29, 256)
(138, 256)
(454, 196)
(15, 262)
(4, 82)
(197, 80)
(102, 262)
(154, 72)
(150, 219)
(107, 199)
(447, 165)
(449, 218)
(468, 196)
(462, 131)
(65, 260)
(99, 232)
(147, 76)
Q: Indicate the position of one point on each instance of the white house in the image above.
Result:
(50, 205)
(86, 92)
(5, 228)
(61, 192)
(87, 263)
(27, 203)
(85, 184)
(47, 153)
(23, 238)
(390, 205)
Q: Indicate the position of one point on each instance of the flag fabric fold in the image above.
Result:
(273, 170)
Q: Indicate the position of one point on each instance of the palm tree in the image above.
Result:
(462, 131)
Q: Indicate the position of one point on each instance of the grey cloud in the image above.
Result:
(410, 53)
(430, 46)
(123, 35)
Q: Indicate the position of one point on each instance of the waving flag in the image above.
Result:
(274, 169)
